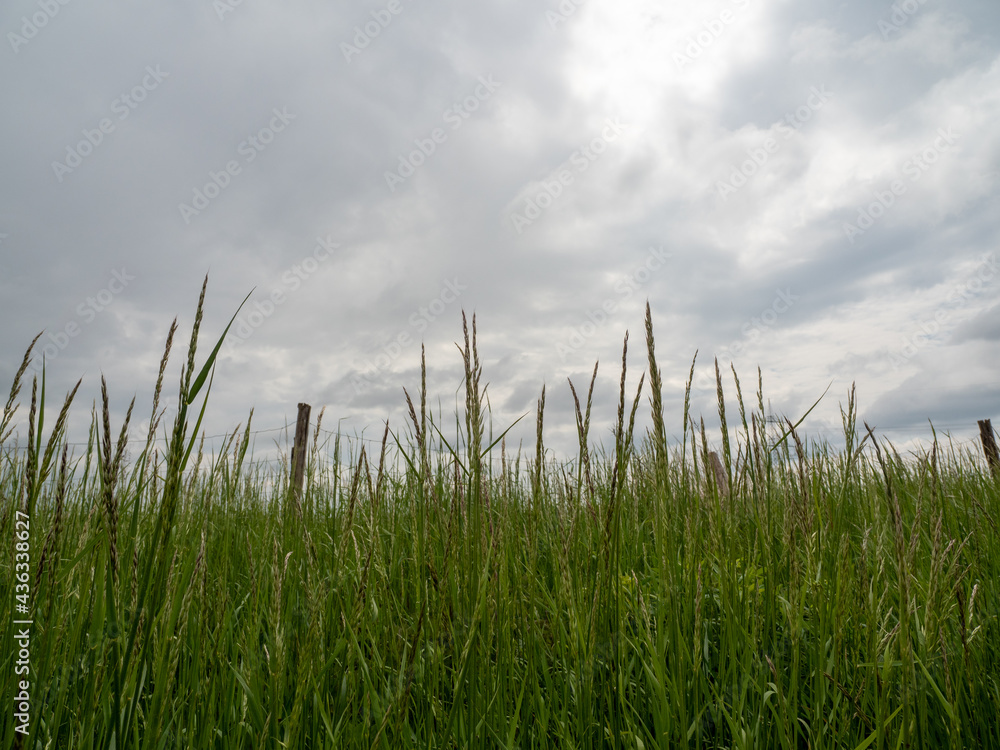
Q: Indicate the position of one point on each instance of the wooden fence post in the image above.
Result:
(299, 451)
(989, 446)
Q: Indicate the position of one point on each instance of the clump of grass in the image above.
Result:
(764, 592)
(659, 436)
(10, 408)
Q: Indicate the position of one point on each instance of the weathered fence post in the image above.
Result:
(989, 446)
(299, 451)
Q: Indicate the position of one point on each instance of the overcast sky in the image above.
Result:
(810, 188)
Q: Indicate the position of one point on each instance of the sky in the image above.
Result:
(805, 188)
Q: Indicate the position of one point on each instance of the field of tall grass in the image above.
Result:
(764, 593)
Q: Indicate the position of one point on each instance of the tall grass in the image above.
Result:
(779, 595)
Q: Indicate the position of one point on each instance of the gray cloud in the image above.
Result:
(745, 104)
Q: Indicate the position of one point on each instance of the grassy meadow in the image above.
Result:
(439, 591)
